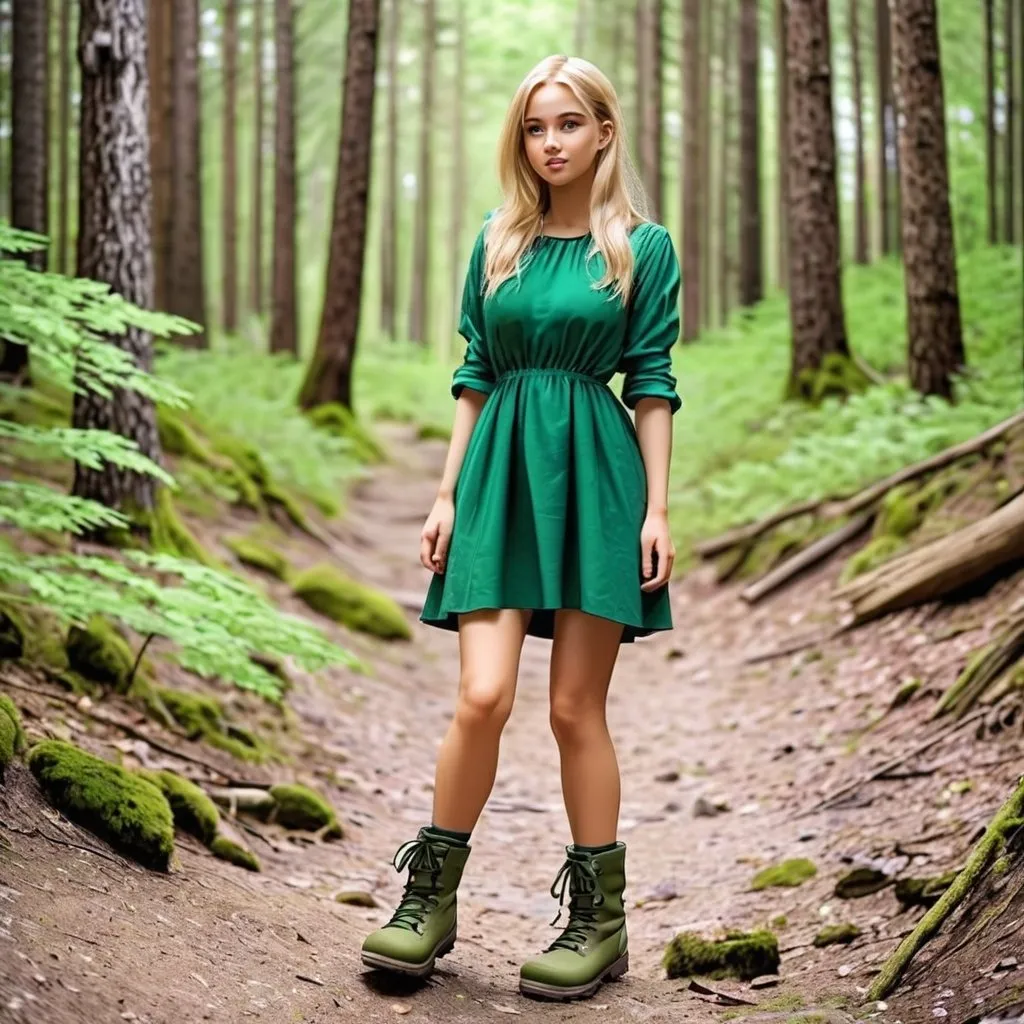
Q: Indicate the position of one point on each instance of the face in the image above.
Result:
(561, 140)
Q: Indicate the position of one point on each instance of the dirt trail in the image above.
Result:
(85, 937)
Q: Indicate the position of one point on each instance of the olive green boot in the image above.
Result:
(423, 927)
(592, 948)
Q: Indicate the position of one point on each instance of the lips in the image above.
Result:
(556, 162)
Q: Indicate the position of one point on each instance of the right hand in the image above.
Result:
(437, 532)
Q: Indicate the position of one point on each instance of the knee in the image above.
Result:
(484, 703)
(572, 720)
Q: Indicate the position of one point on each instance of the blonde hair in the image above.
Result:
(617, 200)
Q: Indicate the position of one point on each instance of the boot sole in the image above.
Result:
(380, 962)
(542, 990)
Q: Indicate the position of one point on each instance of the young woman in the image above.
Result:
(551, 516)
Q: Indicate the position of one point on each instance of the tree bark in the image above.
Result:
(284, 329)
(186, 279)
(751, 281)
(161, 111)
(990, 122)
(229, 209)
(649, 101)
(330, 373)
(5, 39)
(885, 121)
(782, 156)
(459, 183)
(692, 197)
(421, 239)
(114, 244)
(816, 305)
(389, 227)
(935, 342)
(860, 220)
(725, 166)
(64, 140)
(705, 148)
(1009, 184)
(256, 207)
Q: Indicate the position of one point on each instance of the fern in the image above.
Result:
(37, 509)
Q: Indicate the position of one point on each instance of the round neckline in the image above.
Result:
(566, 238)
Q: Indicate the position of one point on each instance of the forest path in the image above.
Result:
(89, 938)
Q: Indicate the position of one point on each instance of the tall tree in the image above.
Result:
(692, 197)
(64, 137)
(782, 144)
(725, 164)
(860, 214)
(329, 378)
(935, 341)
(256, 215)
(161, 144)
(186, 278)
(424, 184)
(649, 100)
(5, 38)
(229, 167)
(389, 226)
(751, 280)
(705, 170)
(815, 296)
(1009, 141)
(885, 123)
(114, 227)
(284, 328)
(990, 122)
(459, 183)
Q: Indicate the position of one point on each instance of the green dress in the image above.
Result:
(552, 492)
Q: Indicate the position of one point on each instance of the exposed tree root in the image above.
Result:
(990, 846)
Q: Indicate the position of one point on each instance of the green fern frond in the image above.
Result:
(36, 508)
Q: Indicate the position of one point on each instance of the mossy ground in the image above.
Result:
(12, 739)
(340, 421)
(227, 849)
(299, 807)
(202, 718)
(836, 934)
(787, 874)
(99, 653)
(258, 555)
(738, 955)
(329, 591)
(194, 812)
(119, 806)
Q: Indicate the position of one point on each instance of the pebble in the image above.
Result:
(765, 981)
(940, 1011)
(845, 970)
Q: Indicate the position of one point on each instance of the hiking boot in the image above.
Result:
(592, 948)
(423, 927)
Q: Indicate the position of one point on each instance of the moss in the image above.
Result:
(245, 456)
(301, 808)
(194, 812)
(836, 934)
(789, 873)
(117, 805)
(433, 432)
(290, 504)
(202, 718)
(874, 553)
(258, 555)
(356, 899)
(779, 922)
(923, 892)
(227, 849)
(98, 652)
(12, 739)
(905, 693)
(169, 534)
(739, 955)
(337, 419)
(1001, 866)
(179, 436)
(328, 591)
(785, 1002)
(838, 377)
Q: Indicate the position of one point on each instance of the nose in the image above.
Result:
(551, 143)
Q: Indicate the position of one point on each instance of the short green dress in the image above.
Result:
(552, 492)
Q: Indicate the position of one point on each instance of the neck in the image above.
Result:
(569, 209)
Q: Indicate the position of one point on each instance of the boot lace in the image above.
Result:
(580, 876)
(420, 896)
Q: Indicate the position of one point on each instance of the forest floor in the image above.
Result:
(88, 937)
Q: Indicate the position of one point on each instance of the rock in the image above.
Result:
(739, 955)
(764, 981)
(861, 882)
(1008, 963)
(788, 874)
(98, 652)
(194, 812)
(227, 849)
(258, 555)
(356, 899)
(672, 776)
(329, 591)
(836, 934)
(710, 807)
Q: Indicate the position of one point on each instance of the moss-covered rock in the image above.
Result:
(356, 898)
(861, 882)
(836, 934)
(119, 806)
(227, 849)
(336, 419)
(789, 873)
(252, 552)
(12, 637)
(739, 955)
(194, 812)
(12, 739)
(99, 653)
(202, 718)
(299, 807)
(330, 592)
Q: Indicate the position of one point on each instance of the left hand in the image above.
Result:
(654, 537)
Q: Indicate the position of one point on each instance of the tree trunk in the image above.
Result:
(860, 228)
(935, 342)
(885, 119)
(185, 282)
(64, 140)
(692, 197)
(816, 305)
(424, 185)
(751, 284)
(330, 373)
(256, 215)
(284, 329)
(5, 39)
(459, 183)
(782, 75)
(990, 122)
(649, 101)
(229, 209)
(725, 165)
(161, 118)
(705, 170)
(114, 227)
(389, 227)
(1009, 217)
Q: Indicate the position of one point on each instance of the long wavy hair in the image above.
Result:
(617, 199)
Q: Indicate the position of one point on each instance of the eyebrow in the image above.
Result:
(568, 113)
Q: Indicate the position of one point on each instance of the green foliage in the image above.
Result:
(738, 955)
(98, 652)
(117, 805)
(788, 873)
(301, 808)
(334, 418)
(227, 849)
(329, 591)
(194, 812)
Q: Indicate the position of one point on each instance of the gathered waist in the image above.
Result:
(548, 371)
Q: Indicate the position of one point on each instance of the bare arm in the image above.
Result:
(654, 433)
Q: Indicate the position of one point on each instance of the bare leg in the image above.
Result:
(582, 659)
(490, 643)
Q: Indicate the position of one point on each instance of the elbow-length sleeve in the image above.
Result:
(653, 323)
(476, 371)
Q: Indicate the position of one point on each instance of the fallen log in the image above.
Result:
(941, 567)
